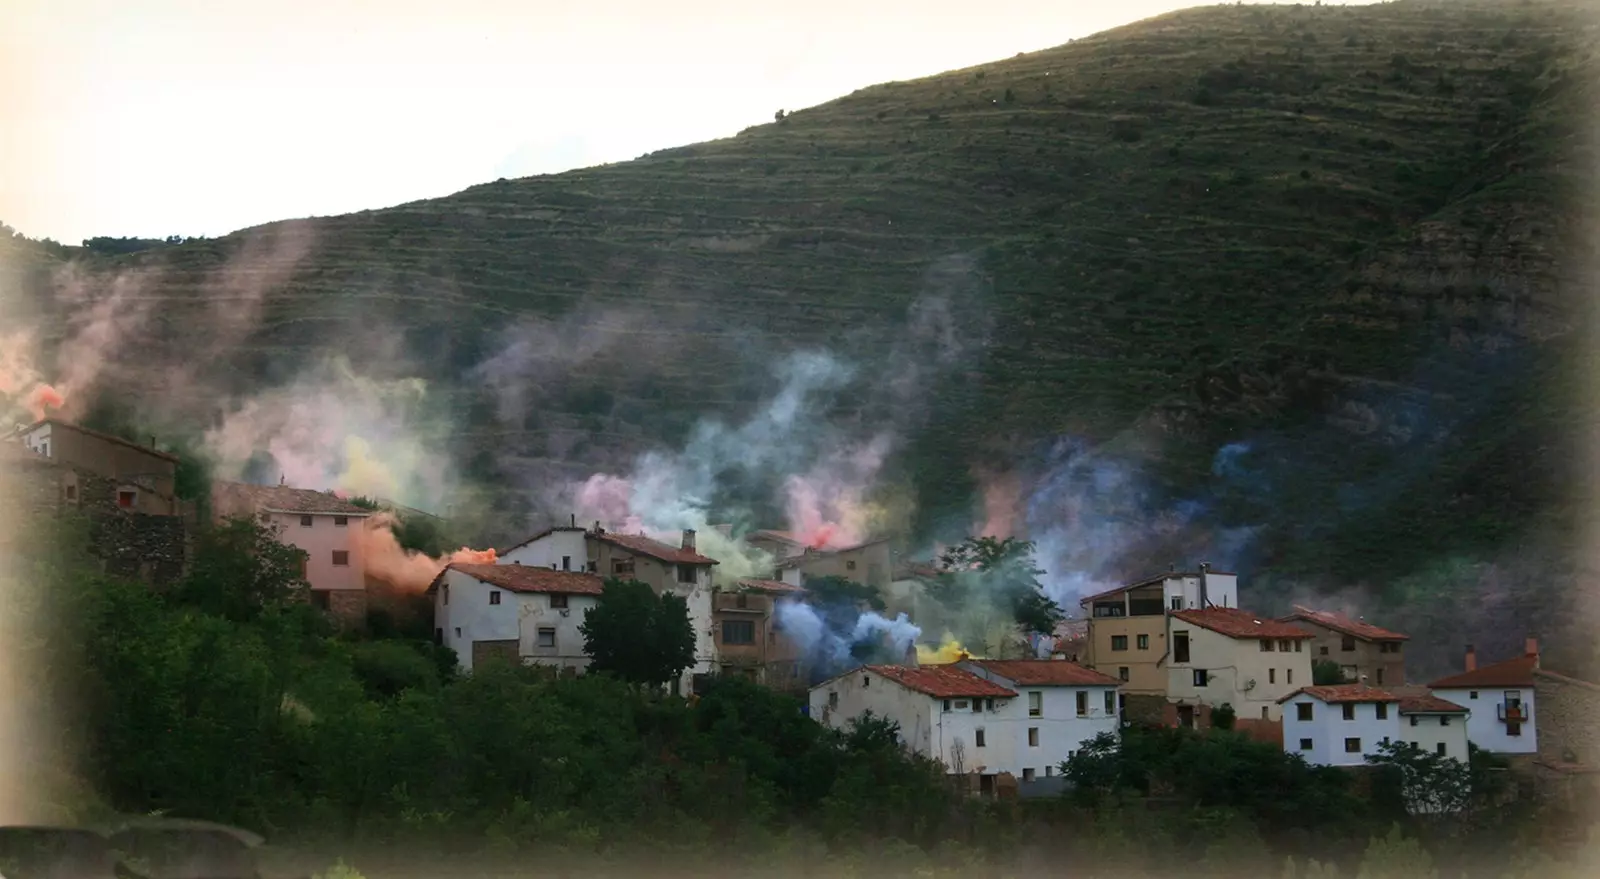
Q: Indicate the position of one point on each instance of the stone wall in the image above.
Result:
(1567, 721)
(348, 606)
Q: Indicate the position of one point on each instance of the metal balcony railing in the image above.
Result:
(1512, 713)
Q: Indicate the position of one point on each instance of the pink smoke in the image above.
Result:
(1002, 504)
(828, 507)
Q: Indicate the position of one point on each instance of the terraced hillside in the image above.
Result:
(1345, 235)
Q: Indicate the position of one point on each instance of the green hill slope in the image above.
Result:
(1341, 236)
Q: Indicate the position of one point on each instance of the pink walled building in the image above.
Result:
(326, 527)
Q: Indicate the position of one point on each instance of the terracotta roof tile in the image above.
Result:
(528, 578)
(642, 545)
(1343, 624)
(772, 587)
(1046, 673)
(1344, 693)
(941, 681)
(1511, 673)
(283, 499)
(1429, 705)
(1237, 623)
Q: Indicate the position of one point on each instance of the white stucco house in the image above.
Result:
(1436, 725)
(1500, 699)
(1228, 656)
(678, 569)
(517, 612)
(1343, 725)
(1022, 717)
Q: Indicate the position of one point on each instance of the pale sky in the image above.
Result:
(200, 117)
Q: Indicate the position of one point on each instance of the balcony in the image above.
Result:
(1512, 712)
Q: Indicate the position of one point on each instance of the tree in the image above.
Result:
(1326, 673)
(1223, 716)
(1396, 857)
(241, 569)
(1428, 783)
(1001, 571)
(636, 635)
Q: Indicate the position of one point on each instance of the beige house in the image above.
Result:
(145, 479)
(1127, 631)
(1358, 647)
(867, 563)
(1227, 656)
(322, 525)
(750, 638)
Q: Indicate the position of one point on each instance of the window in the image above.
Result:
(1266, 645)
(622, 567)
(1305, 744)
(1303, 710)
(1180, 646)
(494, 596)
(1441, 750)
(547, 638)
(444, 591)
(1177, 602)
(1199, 677)
(686, 573)
(1272, 676)
(1122, 672)
(947, 704)
(1288, 675)
(1390, 647)
(1083, 704)
(1383, 711)
(977, 705)
(1027, 773)
(1035, 704)
(850, 565)
(1513, 728)
(1144, 642)
(125, 499)
(1472, 695)
(1111, 702)
(1264, 714)
(977, 737)
(458, 631)
(988, 705)
(1033, 737)
(1349, 712)
(1352, 746)
(1380, 677)
(1299, 646)
(72, 492)
(1119, 642)
(1323, 651)
(566, 563)
(1443, 721)
(738, 632)
(1049, 771)
(1347, 644)
(341, 521)
(1413, 720)
(305, 521)
(558, 600)
(1283, 646)
(341, 558)
(833, 700)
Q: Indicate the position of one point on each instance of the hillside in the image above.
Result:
(1344, 237)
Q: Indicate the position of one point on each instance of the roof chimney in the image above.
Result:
(1472, 658)
(1531, 648)
(1204, 602)
(280, 479)
(597, 528)
(574, 520)
(688, 539)
(1363, 682)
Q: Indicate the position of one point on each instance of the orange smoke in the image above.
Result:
(42, 399)
(1002, 504)
(385, 560)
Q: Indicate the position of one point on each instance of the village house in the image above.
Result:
(1358, 647)
(749, 634)
(1019, 718)
(680, 570)
(1127, 629)
(867, 563)
(1227, 656)
(324, 526)
(145, 479)
(1344, 724)
(519, 613)
(1500, 698)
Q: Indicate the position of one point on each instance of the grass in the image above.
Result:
(1222, 223)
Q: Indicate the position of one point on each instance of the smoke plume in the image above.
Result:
(833, 640)
(385, 560)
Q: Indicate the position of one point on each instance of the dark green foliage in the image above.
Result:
(638, 636)
(240, 570)
(986, 571)
(1223, 716)
(1326, 673)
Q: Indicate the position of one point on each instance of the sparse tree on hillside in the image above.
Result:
(1001, 571)
(241, 569)
(638, 636)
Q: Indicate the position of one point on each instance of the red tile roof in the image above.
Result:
(1343, 624)
(642, 545)
(283, 499)
(1237, 623)
(528, 578)
(1429, 705)
(772, 587)
(1511, 673)
(780, 536)
(1046, 673)
(941, 681)
(1344, 693)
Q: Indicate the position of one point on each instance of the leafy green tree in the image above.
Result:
(1395, 856)
(1223, 716)
(1427, 782)
(998, 570)
(240, 569)
(638, 636)
(1326, 673)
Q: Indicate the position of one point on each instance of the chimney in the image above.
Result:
(1472, 658)
(574, 520)
(688, 539)
(1363, 682)
(1204, 602)
(1531, 648)
(597, 528)
(280, 479)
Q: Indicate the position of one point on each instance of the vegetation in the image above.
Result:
(1326, 673)
(999, 571)
(638, 636)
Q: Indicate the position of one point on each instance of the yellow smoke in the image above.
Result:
(363, 474)
(947, 652)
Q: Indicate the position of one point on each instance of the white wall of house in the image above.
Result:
(1238, 673)
(1430, 731)
(1329, 730)
(1061, 729)
(548, 635)
(1183, 592)
(835, 703)
(461, 608)
(558, 550)
(1484, 726)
